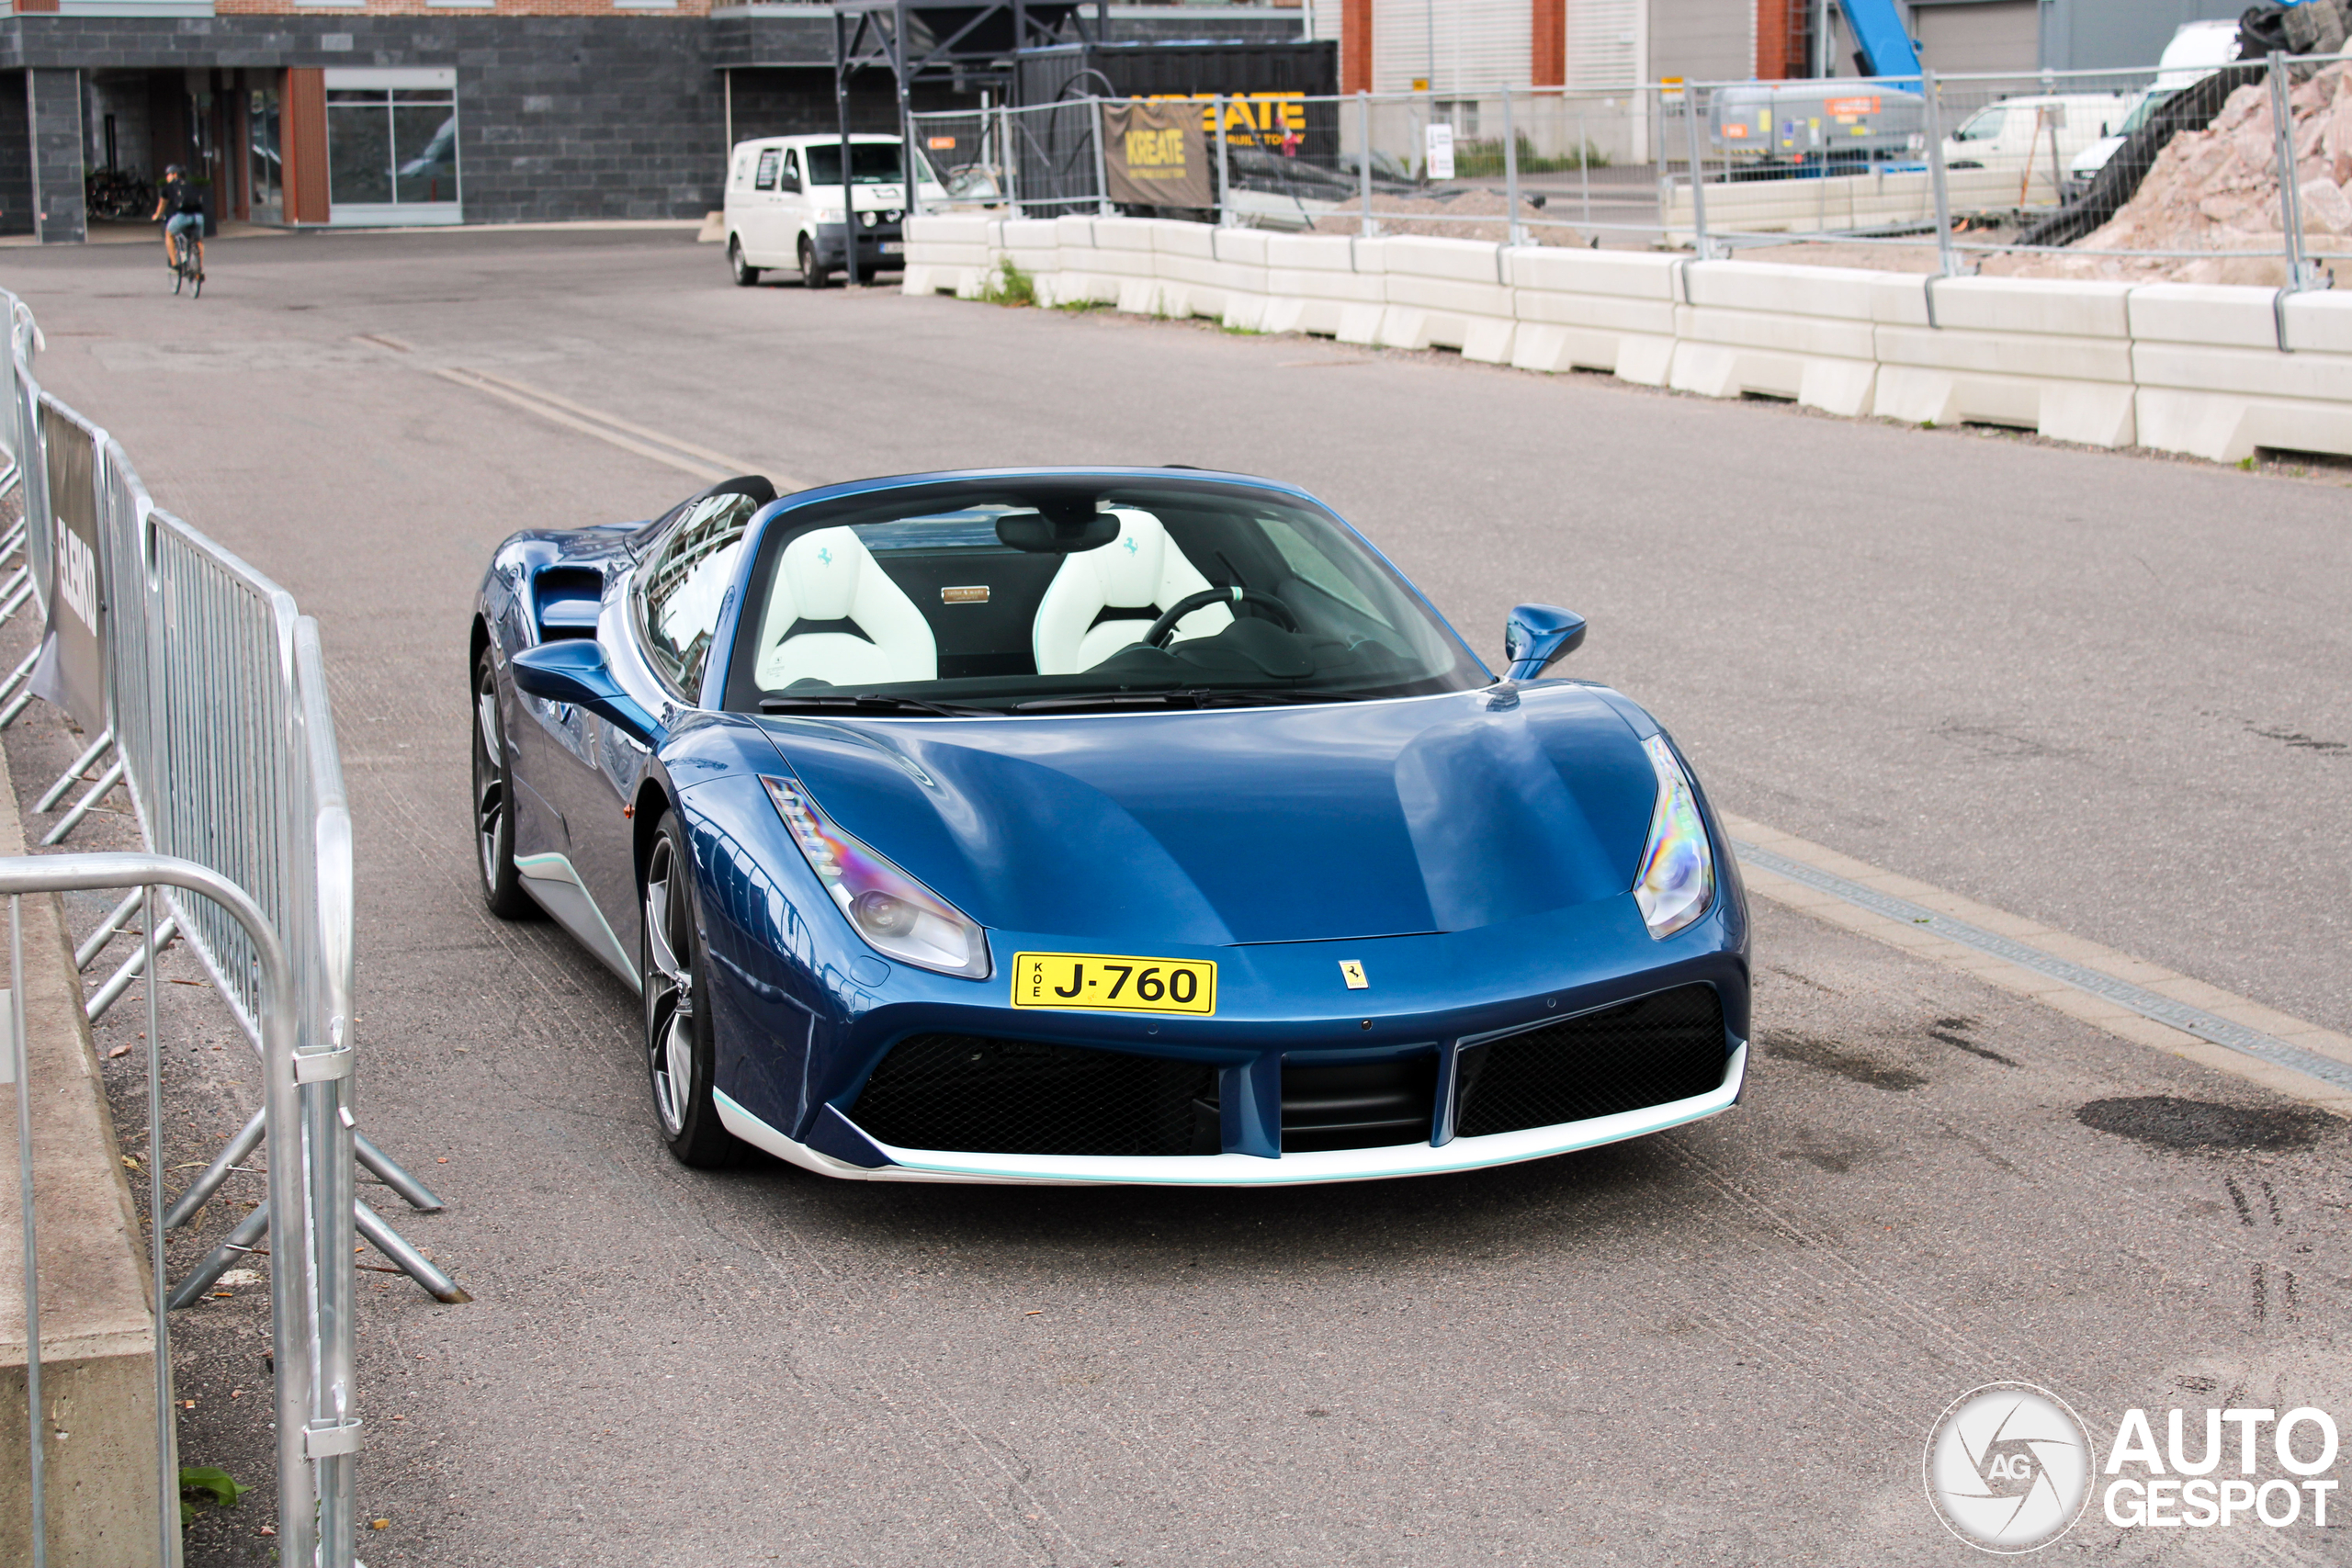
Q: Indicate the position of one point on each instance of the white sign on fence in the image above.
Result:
(1441, 153)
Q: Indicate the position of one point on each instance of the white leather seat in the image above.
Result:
(1141, 569)
(828, 574)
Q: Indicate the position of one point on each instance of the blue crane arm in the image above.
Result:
(1883, 41)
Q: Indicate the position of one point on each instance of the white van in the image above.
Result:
(2015, 134)
(785, 206)
(2196, 52)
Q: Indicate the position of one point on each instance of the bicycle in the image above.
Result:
(188, 268)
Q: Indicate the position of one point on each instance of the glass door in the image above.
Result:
(265, 162)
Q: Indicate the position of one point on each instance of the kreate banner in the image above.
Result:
(71, 674)
(1155, 154)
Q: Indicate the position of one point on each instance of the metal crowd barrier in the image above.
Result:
(211, 707)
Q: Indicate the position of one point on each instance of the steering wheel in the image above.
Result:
(1265, 604)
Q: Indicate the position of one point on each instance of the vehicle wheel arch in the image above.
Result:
(651, 802)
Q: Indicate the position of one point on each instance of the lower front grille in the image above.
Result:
(1019, 1097)
(1650, 1052)
(1367, 1105)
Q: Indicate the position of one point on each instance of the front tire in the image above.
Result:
(502, 885)
(680, 1052)
(811, 275)
(746, 275)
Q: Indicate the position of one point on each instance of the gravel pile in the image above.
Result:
(2216, 190)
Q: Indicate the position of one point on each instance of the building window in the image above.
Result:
(391, 146)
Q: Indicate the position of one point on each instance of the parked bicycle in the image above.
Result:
(111, 193)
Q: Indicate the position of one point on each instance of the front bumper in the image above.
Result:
(1241, 1170)
(883, 245)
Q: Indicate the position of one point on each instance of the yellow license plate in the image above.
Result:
(1105, 983)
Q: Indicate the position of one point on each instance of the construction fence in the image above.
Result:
(2228, 173)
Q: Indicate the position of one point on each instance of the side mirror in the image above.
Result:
(787, 182)
(574, 670)
(1538, 637)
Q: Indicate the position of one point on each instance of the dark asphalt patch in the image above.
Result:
(1830, 1056)
(2163, 1121)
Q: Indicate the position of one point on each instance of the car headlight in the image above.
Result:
(1677, 880)
(894, 913)
(828, 215)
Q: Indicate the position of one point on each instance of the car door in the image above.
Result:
(765, 244)
(793, 216)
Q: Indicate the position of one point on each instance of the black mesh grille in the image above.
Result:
(1020, 1096)
(1661, 1048)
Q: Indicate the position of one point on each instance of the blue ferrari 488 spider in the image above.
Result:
(1136, 825)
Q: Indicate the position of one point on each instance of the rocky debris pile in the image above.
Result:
(2216, 190)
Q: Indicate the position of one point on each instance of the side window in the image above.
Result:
(765, 178)
(792, 171)
(682, 590)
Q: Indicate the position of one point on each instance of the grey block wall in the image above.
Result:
(54, 107)
(557, 117)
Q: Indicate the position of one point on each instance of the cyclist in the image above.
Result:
(186, 204)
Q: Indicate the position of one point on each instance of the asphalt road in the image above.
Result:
(2104, 691)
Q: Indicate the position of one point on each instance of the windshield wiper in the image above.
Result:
(867, 702)
(1187, 697)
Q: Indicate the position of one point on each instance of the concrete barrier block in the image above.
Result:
(1480, 338)
(1633, 274)
(2051, 306)
(1311, 253)
(2097, 413)
(1424, 256)
(947, 228)
(2230, 427)
(2320, 322)
(2247, 372)
(1131, 234)
(1836, 385)
(1898, 299)
(1348, 286)
(2223, 315)
(1171, 239)
(1644, 357)
(2006, 353)
(1243, 246)
(1611, 312)
(1075, 232)
(1028, 233)
(1483, 299)
(1832, 291)
(1777, 332)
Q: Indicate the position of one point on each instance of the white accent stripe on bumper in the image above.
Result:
(1247, 1170)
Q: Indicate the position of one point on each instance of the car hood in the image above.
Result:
(1259, 825)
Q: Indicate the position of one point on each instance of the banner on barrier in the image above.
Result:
(1155, 154)
(71, 674)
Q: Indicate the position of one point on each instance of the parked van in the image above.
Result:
(785, 206)
(2196, 52)
(2018, 134)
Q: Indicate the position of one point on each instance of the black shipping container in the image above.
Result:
(1055, 157)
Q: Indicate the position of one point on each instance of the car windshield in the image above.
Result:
(870, 163)
(1986, 125)
(1074, 592)
(2146, 111)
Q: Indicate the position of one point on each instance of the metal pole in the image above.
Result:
(727, 77)
(167, 1470)
(1932, 127)
(20, 1064)
(1698, 175)
(1101, 170)
(1584, 168)
(2290, 205)
(1224, 168)
(841, 111)
(1364, 165)
(1510, 172)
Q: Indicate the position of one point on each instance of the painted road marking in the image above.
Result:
(2128, 996)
